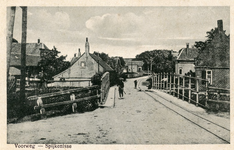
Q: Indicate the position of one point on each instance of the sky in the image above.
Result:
(119, 31)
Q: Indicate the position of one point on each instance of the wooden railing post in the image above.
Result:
(163, 83)
(156, 81)
(183, 87)
(160, 81)
(174, 84)
(207, 90)
(170, 84)
(189, 91)
(152, 81)
(114, 97)
(178, 87)
(197, 91)
(166, 81)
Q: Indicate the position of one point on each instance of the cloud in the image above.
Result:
(118, 39)
(45, 21)
(114, 25)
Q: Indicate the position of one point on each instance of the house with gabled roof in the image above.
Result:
(213, 63)
(185, 60)
(34, 51)
(84, 67)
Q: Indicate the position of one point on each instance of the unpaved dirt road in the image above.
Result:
(136, 119)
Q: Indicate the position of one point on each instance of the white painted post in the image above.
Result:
(189, 94)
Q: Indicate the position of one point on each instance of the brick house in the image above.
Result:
(213, 63)
(83, 67)
(185, 60)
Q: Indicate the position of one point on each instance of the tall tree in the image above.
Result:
(162, 60)
(200, 45)
(53, 64)
(111, 61)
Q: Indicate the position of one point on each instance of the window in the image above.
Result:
(82, 64)
(139, 69)
(207, 74)
(180, 71)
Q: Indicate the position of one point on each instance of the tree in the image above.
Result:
(163, 60)
(111, 61)
(102, 55)
(53, 64)
(200, 45)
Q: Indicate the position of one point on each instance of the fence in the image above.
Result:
(105, 86)
(75, 97)
(35, 86)
(192, 89)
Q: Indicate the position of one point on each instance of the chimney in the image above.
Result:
(220, 25)
(38, 40)
(79, 54)
(87, 47)
(187, 47)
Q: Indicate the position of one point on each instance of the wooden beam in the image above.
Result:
(67, 102)
(10, 29)
(23, 54)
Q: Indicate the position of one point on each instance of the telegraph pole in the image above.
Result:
(23, 54)
(131, 65)
(10, 26)
(151, 60)
(98, 62)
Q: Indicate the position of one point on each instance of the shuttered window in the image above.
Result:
(207, 74)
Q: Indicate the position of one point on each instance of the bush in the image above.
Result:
(96, 79)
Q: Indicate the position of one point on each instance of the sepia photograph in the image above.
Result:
(117, 75)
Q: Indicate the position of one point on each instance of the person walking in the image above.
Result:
(121, 88)
(135, 83)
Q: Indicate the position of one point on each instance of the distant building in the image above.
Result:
(213, 63)
(185, 60)
(133, 65)
(133, 68)
(83, 67)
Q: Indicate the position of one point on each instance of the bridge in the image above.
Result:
(141, 117)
